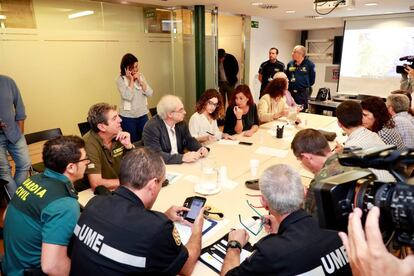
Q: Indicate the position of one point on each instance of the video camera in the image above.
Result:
(400, 68)
(336, 196)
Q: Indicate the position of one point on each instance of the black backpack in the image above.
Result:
(324, 94)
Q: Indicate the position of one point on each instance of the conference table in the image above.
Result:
(235, 159)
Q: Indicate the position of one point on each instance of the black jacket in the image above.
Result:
(155, 136)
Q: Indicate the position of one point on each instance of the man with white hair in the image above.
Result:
(398, 106)
(294, 235)
(301, 73)
(168, 134)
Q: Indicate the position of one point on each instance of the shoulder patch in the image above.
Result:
(176, 236)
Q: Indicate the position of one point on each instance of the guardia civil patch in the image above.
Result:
(176, 236)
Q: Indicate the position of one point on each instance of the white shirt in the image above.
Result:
(173, 138)
(199, 125)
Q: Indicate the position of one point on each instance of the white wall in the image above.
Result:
(230, 37)
(322, 62)
(270, 33)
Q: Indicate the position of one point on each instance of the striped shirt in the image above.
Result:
(364, 138)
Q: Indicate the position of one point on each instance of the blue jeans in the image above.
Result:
(20, 154)
(134, 126)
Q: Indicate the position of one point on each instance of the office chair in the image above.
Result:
(3, 190)
(84, 127)
(153, 111)
(35, 137)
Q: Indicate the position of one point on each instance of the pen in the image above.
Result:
(210, 133)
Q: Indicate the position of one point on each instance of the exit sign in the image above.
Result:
(255, 24)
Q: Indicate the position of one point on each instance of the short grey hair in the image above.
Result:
(398, 102)
(301, 49)
(283, 189)
(167, 104)
(280, 75)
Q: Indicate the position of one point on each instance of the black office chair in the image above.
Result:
(84, 127)
(153, 111)
(35, 137)
(3, 190)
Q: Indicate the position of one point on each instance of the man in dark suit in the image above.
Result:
(227, 73)
(168, 134)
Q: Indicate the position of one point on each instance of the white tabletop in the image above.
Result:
(231, 200)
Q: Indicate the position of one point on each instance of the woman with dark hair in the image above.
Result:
(203, 123)
(134, 91)
(241, 114)
(272, 105)
(376, 118)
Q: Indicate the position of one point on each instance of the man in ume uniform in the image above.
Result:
(119, 234)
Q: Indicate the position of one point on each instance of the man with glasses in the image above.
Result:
(168, 134)
(41, 216)
(134, 240)
(296, 244)
(105, 145)
(312, 149)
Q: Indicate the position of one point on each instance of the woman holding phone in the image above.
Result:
(134, 91)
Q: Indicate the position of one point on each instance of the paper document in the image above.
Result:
(272, 152)
(228, 142)
(209, 227)
(213, 255)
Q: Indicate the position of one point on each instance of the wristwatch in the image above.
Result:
(234, 244)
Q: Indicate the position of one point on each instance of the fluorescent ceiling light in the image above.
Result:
(318, 17)
(290, 11)
(371, 4)
(2, 16)
(257, 3)
(79, 14)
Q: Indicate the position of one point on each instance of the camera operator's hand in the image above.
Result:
(409, 70)
(366, 251)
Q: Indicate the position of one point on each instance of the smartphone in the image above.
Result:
(245, 143)
(194, 203)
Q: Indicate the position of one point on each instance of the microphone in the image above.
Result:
(407, 58)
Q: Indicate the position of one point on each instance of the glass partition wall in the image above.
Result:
(65, 55)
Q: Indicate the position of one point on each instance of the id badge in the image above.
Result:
(127, 105)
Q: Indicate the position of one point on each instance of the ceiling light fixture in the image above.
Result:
(257, 3)
(268, 6)
(80, 14)
(371, 4)
(290, 11)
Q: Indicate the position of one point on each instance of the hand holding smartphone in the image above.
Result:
(194, 203)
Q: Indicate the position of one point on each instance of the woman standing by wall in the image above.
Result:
(134, 91)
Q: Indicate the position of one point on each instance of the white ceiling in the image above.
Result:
(302, 8)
